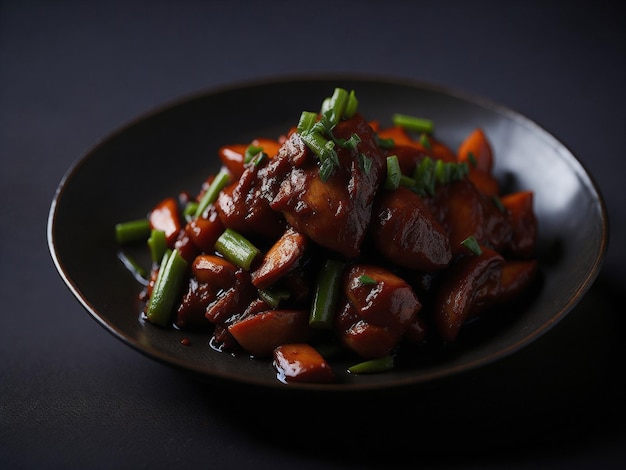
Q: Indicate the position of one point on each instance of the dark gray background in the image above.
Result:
(71, 72)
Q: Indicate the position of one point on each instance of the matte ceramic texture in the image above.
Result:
(175, 148)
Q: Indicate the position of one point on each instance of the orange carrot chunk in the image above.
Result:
(301, 362)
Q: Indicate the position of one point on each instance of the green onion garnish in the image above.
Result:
(385, 143)
(306, 122)
(326, 294)
(373, 366)
(496, 200)
(251, 152)
(273, 296)
(132, 231)
(367, 280)
(352, 105)
(157, 244)
(236, 248)
(210, 196)
(472, 245)
(413, 123)
(393, 172)
(365, 163)
(166, 288)
(472, 159)
(317, 134)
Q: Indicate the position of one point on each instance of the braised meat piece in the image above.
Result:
(334, 213)
(404, 230)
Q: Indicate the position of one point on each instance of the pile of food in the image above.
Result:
(339, 236)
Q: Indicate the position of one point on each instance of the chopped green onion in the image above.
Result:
(306, 122)
(472, 245)
(442, 172)
(167, 288)
(210, 196)
(317, 133)
(367, 280)
(337, 105)
(498, 202)
(326, 169)
(326, 294)
(385, 143)
(325, 105)
(132, 231)
(190, 210)
(429, 172)
(318, 145)
(373, 366)
(425, 142)
(352, 105)
(407, 182)
(461, 170)
(413, 123)
(259, 158)
(365, 163)
(351, 143)
(325, 125)
(157, 244)
(273, 296)
(236, 248)
(393, 172)
(251, 152)
(424, 176)
(472, 159)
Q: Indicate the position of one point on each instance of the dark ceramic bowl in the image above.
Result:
(175, 148)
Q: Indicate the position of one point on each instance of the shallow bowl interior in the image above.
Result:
(174, 148)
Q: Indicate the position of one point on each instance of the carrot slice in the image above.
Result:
(283, 256)
(301, 362)
(214, 270)
(523, 222)
(165, 217)
(478, 146)
(260, 334)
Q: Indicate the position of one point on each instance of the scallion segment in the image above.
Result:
(428, 173)
(373, 366)
(189, 212)
(319, 145)
(167, 288)
(274, 296)
(498, 203)
(472, 245)
(251, 152)
(236, 248)
(367, 280)
(317, 134)
(132, 231)
(306, 122)
(157, 244)
(352, 105)
(393, 172)
(210, 196)
(385, 143)
(413, 123)
(337, 105)
(326, 294)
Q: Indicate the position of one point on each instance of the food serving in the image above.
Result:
(340, 237)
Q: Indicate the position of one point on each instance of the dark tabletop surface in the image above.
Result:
(72, 396)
